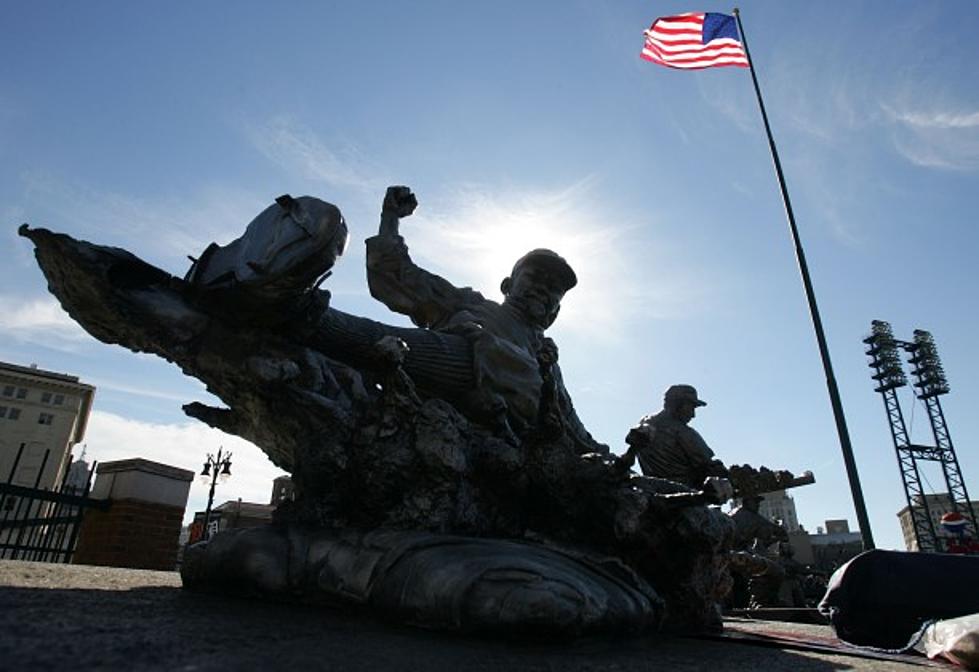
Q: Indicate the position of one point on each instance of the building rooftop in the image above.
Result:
(42, 373)
(835, 538)
(935, 501)
(247, 509)
(87, 391)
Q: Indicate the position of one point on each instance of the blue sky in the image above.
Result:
(519, 125)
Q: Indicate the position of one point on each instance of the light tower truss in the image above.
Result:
(930, 383)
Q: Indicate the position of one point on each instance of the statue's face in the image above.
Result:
(684, 411)
(340, 239)
(537, 293)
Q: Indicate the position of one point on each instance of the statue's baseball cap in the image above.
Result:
(684, 393)
(553, 262)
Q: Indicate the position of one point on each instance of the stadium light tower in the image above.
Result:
(930, 383)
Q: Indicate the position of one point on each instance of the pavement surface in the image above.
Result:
(60, 617)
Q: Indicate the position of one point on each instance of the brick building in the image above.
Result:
(141, 528)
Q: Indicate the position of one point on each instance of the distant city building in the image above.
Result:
(779, 506)
(836, 546)
(45, 413)
(826, 550)
(235, 514)
(239, 514)
(78, 475)
(938, 505)
(282, 490)
(231, 515)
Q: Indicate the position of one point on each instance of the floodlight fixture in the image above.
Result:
(927, 366)
(885, 359)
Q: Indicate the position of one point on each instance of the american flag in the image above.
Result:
(694, 40)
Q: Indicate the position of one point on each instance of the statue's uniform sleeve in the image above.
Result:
(695, 447)
(702, 458)
(394, 280)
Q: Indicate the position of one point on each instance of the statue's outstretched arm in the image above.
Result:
(398, 202)
(397, 282)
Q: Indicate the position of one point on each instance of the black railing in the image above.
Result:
(42, 525)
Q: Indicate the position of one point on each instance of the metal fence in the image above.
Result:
(42, 525)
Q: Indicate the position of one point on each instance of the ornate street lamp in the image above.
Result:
(215, 469)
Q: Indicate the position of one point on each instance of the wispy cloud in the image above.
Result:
(165, 229)
(832, 197)
(847, 104)
(730, 101)
(935, 138)
(300, 150)
(936, 119)
(161, 228)
(186, 445)
(142, 390)
(833, 105)
(41, 321)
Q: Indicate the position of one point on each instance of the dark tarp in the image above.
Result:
(882, 599)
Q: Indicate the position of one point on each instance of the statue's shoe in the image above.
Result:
(432, 580)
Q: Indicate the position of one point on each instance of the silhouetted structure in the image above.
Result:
(885, 360)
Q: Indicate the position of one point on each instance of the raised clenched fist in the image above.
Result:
(399, 201)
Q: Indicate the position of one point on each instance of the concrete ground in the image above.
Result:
(94, 618)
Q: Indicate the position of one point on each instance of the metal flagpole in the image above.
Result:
(817, 323)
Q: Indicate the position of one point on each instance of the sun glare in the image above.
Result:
(476, 239)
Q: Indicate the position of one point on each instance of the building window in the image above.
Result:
(45, 419)
(22, 393)
(3, 411)
(13, 413)
(59, 399)
(45, 397)
(8, 390)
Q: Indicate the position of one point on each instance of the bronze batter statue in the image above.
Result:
(517, 382)
(667, 447)
(442, 476)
